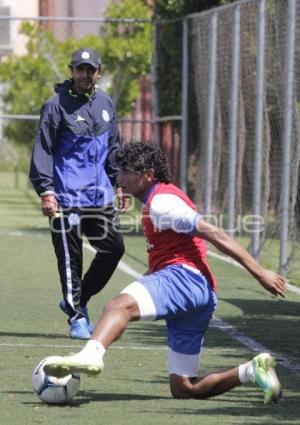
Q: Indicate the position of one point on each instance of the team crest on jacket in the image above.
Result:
(73, 219)
(105, 115)
(79, 118)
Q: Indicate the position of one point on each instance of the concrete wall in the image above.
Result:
(19, 8)
(75, 8)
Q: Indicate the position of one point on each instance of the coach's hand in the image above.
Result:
(49, 205)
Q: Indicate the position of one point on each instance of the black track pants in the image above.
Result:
(101, 228)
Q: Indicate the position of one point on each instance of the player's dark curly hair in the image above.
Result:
(140, 156)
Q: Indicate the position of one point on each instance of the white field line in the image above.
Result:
(132, 347)
(122, 265)
(112, 347)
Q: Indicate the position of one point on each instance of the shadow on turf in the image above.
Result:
(153, 334)
(34, 335)
(86, 397)
(149, 333)
(236, 403)
(267, 307)
(273, 323)
(156, 380)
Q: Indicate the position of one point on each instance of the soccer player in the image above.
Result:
(178, 287)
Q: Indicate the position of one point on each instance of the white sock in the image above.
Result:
(246, 371)
(92, 345)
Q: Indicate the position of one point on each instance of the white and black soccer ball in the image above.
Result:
(54, 390)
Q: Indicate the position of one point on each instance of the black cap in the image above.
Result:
(85, 55)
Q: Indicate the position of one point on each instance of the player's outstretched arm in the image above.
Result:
(271, 281)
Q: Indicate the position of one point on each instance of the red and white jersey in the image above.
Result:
(169, 219)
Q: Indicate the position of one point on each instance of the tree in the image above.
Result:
(125, 50)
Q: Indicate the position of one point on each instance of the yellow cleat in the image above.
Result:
(265, 377)
(77, 363)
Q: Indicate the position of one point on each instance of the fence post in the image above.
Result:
(211, 113)
(259, 104)
(154, 85)
(233, 118)
(2, 91)
(17, 177)
(184, 108)
(287, 137)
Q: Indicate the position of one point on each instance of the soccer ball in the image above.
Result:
(54, 390)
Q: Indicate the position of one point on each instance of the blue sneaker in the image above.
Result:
(65, 309)
(79, 329)
(85, 312)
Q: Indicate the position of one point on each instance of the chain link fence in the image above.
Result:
(243, 145)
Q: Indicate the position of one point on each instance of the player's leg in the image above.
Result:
(183, 386)
(259, 371)
(184, 356)
(154, 296)
(101, 228)
(183, 365)
(117, 313)
(185, 340)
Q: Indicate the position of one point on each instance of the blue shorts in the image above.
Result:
(184, 298)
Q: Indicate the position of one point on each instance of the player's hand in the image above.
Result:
(273, 283)
(49, 205)
(122, 201)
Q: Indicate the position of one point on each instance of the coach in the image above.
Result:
(73, 170)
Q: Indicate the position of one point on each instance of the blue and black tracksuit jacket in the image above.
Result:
(73, 154)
